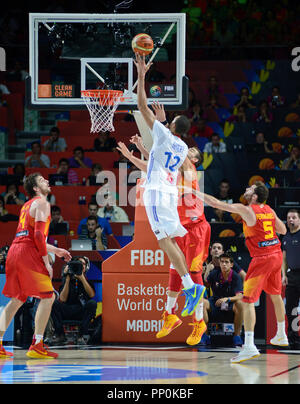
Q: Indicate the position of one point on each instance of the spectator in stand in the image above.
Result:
(17, 73)
(224, 194)
(92, 179)
(56, 218)
(195, 113)
(37, 159)
(3, 103)
(239, 115)
(78, 160)
(64, 169)
(213, 88)
(55, 143)
(215, 146)
(155, 76)
(216, 250)
(112, 212)
(105, 142)
(263, 114)
(292, 162)
(245, 99)
(227, 288)
(3, 211)
(94, 233)
(276, 100)
(213, 103)
(12, 196)
(200, 129)
(262, 145)
(102, 223)
(19, 171)
(4, 89)
(296, 104)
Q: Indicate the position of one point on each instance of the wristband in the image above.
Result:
(228, 301)
(164, 123)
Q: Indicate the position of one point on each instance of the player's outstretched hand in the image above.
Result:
(159, 111)
(61, 253)
(124, 150)
(140, 62)
(136, 140)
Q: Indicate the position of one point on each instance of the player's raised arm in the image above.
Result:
(142, 69)
(140, 164)
(280, 227)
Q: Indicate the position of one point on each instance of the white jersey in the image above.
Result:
(166, 157)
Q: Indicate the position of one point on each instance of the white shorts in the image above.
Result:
(161, 209)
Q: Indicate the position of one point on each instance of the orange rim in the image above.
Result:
(105, 97)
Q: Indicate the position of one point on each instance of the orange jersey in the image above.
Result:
(190, 208)
(25, 229)
(261, 239)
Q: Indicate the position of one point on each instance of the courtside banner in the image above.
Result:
(133, 306)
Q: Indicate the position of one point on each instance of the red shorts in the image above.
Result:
(26, 274)
(195, 247)
(264, 273)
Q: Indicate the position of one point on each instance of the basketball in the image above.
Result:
(142, 44)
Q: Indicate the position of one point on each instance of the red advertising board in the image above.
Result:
(135, 281)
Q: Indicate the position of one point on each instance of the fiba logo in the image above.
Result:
(155, 91)
(296, 61)
(2, 60)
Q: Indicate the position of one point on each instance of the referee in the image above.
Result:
(291, 275)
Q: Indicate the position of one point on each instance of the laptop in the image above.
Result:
(127, 230)
(81, 245)
(58, 179)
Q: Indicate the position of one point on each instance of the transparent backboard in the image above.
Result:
(74, 52)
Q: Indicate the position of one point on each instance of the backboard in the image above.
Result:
(74, 52)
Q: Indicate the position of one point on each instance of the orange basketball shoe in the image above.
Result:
(4, 354)
(171, 321)
(41, 351)
(197, 333)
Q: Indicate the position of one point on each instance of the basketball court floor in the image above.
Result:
(151, 365)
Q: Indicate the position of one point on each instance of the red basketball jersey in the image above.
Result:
(261, 239)
(190, 208)
(25, 229)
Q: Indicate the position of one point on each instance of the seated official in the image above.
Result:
(227, 295)
(75, 300)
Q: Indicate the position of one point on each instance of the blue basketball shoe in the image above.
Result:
(192, 299)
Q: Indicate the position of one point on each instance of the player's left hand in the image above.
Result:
(141, 66)
(61, 253)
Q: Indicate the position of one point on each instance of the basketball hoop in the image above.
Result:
(102, 105)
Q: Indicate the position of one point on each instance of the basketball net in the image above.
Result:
(102, 105)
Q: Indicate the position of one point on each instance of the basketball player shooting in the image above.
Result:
(28, 271)
(167, 155)
(260, 224)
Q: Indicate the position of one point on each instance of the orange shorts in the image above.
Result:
(264, 274)
(195, 247)
(26, 274)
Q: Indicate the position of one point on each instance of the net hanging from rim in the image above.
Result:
(102, 105)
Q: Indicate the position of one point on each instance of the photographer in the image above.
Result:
(75, 300)
(3, 254)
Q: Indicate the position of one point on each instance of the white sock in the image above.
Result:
(1, 340)
(281, 329)
(171, 301)
(187, 281)
(199, 312)
(38, 338)
(249, 338)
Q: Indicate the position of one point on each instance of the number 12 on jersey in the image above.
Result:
(172, 161)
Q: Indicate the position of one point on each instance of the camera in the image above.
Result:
(75, 267)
